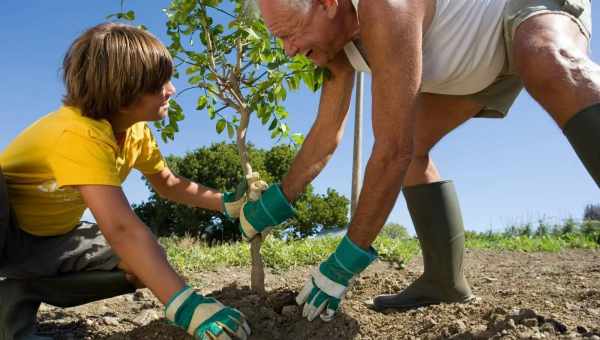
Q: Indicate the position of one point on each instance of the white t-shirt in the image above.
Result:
(463, 50)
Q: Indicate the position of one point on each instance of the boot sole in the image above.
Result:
(405, 307)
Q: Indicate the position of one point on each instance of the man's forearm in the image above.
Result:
(383, 181)
(307, 165)
(326, 133)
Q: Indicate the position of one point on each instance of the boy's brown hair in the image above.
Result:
(110, 66)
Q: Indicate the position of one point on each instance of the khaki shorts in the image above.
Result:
(499, 97)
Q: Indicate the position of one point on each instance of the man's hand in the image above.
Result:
(233, 201)
(204, 317)
(271, 209)
(327, 284)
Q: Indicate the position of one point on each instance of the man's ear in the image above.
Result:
(331, 7)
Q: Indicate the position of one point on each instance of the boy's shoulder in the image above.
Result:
(140, 130)
(69, 119)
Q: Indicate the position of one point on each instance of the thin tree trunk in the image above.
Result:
(257, 275)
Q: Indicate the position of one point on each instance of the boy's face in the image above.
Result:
(153, 106)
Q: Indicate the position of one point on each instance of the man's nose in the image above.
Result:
(290, 49)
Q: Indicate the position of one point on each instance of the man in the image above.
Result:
(434, 65)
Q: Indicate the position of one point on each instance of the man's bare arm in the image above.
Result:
(326, 132)
(392, 34)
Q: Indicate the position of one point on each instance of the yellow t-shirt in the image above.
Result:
(63, 149)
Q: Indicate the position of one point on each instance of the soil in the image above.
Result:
(520, 296)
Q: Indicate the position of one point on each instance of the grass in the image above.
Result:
(547, 243)
(188, 254)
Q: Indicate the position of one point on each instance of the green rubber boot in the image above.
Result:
(437, 219)
(583, 132)
(21, 298)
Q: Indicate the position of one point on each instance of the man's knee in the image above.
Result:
(551, 67)
(550, 56)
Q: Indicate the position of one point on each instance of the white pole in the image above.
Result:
(356, 162)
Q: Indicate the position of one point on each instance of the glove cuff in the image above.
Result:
(230, 206)
(352, 257)
(277, 204)
(177, 301)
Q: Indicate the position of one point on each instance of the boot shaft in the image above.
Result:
(583, 132)
(438, 223)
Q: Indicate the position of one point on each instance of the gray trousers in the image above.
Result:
(23, 255)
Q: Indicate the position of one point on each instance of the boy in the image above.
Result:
(117, 77)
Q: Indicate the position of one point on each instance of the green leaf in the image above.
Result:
(273, 124)
(221, 125)
(202, 101)
(130, 15)
(230, 130)
(211, 112)
(284, 129)
(275, 133)
(297, 138)
(251, 33)
(281, 112)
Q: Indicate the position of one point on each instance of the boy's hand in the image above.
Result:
(271, 209)
(205, 318)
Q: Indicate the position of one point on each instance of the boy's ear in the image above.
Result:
(331, 7)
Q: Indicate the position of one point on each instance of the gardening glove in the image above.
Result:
(269, 210)
(232, 201)
(329, 282)
(205, 318)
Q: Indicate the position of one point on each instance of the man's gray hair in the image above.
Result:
(301, 5)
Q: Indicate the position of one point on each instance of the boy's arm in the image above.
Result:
(200, 316)
(175, 188)
(131, 240)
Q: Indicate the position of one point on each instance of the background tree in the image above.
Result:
(395, 231)
(238, 70)
(218, 166)
(592, 212)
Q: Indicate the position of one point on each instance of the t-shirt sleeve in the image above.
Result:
(150, 160)
(83, 160)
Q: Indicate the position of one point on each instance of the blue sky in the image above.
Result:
(516, 170)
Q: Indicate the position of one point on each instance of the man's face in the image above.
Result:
(154, 106)
(309, 32)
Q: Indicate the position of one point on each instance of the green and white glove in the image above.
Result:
(205, 318)
(329, 282)
(233, 201)
(271, 209)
